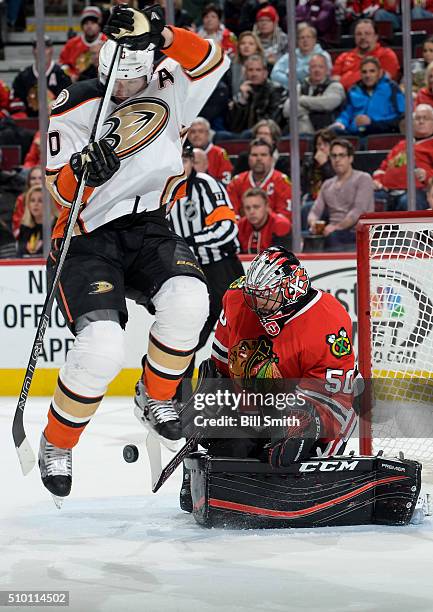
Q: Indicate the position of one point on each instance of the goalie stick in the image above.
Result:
(24, 450)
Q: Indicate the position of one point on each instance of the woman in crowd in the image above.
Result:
(419, 65)
(425, 94)
(272, 37)
(213, 28)
(248, 44)
(34, 177)
(315, 170)
(30, 234)
(307, 47)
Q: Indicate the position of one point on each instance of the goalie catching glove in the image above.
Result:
(136, 29)
(100, 161)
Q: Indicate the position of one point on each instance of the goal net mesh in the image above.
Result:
(401, 338)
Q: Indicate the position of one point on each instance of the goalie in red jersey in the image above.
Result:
(274, 324)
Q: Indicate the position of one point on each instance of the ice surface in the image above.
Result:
(117, 547)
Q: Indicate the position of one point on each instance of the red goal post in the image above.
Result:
(395, 332)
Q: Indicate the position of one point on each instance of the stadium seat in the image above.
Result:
(383, 142)
(368, 161)
(30, 123)
(234, 147)
(11, 156)
(418, 25)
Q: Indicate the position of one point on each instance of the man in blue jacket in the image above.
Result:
(374, 105)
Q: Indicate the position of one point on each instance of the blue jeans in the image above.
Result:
(420, 13)
(341, 240)
(382, 15)
(399, 202)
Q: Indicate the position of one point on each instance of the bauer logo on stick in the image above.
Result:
(339, 343)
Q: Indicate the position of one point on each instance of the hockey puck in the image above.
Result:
(130, 453)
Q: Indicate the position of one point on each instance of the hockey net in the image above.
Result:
(395, 326)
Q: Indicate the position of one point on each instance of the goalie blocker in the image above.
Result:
(340, 490)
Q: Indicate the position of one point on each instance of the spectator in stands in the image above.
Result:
(250, 8)
(375, 105)
(30, 235)
(75, 56)
(262, 174)
(316, 169)
(425, 94)
(213, 28)
(261, 228)
(423, 9)
(268, 130)
(347, 66)
(353, 10)
(258, 98)
(319, 97)
(219, 164)
(248, 44)
(33, 157)
(419, 65)
(272, 37)
(4, 100)
(390, 179)
(24, 93)
(91, 72)
(321, 15)
(232, 15)
(307, 47)
(200, 161)
(34, 177)
(342, 199)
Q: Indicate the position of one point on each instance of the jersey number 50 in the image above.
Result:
(339, 380)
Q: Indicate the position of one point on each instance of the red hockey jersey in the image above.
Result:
(219, 164)
(314, 347)
(276, 184)
(275, 231)
(75, 55)
(392, 172)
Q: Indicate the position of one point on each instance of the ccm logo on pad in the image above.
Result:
(327, 466)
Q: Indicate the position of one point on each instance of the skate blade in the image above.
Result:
(58, 501)
(171, 445)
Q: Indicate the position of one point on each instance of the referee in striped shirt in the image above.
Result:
(206, 220)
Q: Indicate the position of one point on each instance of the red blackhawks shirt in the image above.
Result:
(314, 347)
(276, 184)
(219, 164)
(276, 230)
(392, 172)
(75, 56)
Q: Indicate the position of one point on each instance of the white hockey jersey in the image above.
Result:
(145, 131)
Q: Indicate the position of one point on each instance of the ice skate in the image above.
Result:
(55, 465)
(158, 416)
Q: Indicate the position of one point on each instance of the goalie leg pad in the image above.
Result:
(343, 490)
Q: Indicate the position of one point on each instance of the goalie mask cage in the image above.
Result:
(395, 327)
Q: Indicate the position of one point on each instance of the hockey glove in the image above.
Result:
(136, 29)
(100, 161)
(298, 440)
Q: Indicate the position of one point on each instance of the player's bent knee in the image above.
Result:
(95, 359)
(189, 297)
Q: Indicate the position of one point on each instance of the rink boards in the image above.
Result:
(22, 294)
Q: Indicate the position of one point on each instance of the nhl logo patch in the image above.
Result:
(339, 344)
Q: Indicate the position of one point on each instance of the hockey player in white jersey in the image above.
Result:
(122, 244)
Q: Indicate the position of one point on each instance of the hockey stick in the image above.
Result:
(25, 452)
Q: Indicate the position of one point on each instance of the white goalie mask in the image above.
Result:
(132, 65)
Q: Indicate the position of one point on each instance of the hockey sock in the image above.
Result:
(68, 416)
(164, 369)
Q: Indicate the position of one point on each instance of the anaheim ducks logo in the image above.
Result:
(136, 124)
(100, 287)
